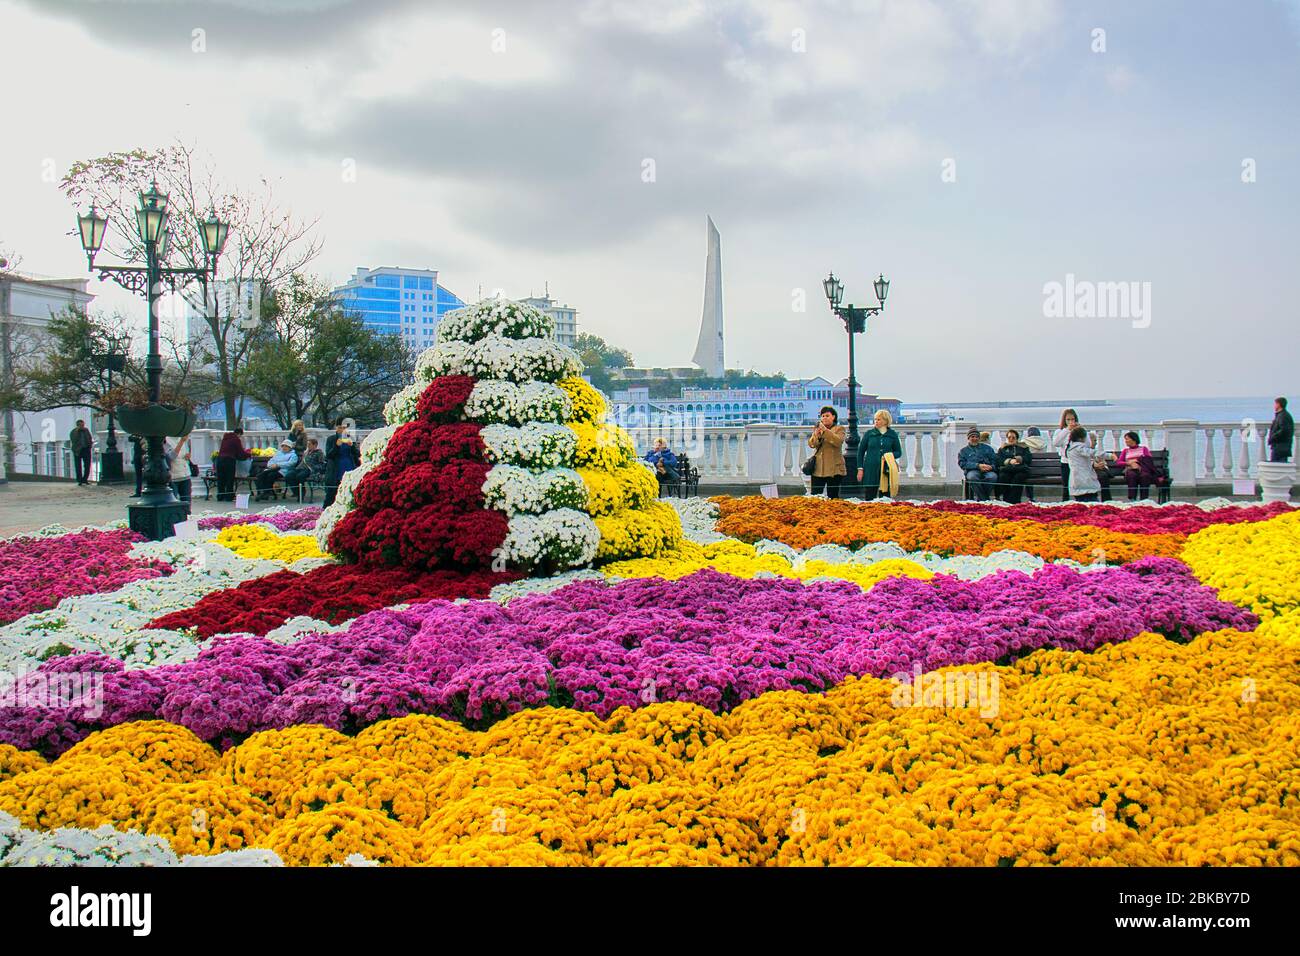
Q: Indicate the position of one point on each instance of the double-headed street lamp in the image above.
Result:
(855, 320)
(159, 508)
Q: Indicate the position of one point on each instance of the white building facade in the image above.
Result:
(565, 317)
(36, 443)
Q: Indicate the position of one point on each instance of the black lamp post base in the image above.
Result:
(156, 522)
(110, 468)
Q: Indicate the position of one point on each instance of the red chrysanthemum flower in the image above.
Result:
(444, 400)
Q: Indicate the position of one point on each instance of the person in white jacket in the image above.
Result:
(1060, 439)
(178, 461)
(1079, 456)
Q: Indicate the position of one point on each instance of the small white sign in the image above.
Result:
(186, 529)
(769, 491)
(241, 502)
(1243, 486)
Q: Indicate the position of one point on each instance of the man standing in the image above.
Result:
(978, 463)
(1281, 434)
(80, 439)
(230, 452)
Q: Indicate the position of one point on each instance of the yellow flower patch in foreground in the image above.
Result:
(1141, 753)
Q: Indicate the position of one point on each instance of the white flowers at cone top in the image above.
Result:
(500, 317)
(515, 360)
(514, 490)
(563, 538)
(534, 445)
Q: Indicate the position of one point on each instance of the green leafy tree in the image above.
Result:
(311, 359)
(598, 357)
(266, 243)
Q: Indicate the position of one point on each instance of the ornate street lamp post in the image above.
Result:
(855, 320)
(159, 508)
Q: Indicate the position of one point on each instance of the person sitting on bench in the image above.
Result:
(979, 464)
(1139, 466)
(664, 463)
(277, 469)
(1013, 467)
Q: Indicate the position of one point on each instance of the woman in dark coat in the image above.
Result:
(229, 454)
(342, 455)
(876, 443)
(1013, 467)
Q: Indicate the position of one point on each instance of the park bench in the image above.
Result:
(1045, 472)
(687, 484)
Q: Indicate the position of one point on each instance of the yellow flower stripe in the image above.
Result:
(1254, 564)
(627, 486)
(254, 541)
(653, 529)
(743, 561)
(1141, 753)
(588, 404)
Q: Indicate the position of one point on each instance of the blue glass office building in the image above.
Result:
(405, 302)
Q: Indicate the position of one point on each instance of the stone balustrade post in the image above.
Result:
(952, 437)
(1180, 440)
(763, 459)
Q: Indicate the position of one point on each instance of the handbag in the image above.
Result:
(194, 470)
(809, 466)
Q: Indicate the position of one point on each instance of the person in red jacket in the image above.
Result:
(232, 450)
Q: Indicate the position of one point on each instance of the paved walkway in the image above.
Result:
(29, 505)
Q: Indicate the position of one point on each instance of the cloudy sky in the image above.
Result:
(975, 151)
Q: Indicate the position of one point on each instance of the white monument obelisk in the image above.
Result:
(709, 352)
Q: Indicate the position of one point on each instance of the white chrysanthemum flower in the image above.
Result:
(534, 445)
(400, 409)
(493, 402)
(514, 490)
(373, 445)
(563, 538)
(501, 317)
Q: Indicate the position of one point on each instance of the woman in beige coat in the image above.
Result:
(827, 440)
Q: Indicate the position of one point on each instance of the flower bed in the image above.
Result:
(255, 541)
(806, 522)
(41, 572)
(1142, 519)
(334, 593)
(1079, 767)
(709, 639)
(296, 519)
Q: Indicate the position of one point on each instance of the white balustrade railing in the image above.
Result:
(1215, 452)
(1205, 452)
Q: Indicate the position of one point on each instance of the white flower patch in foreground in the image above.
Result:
(105, 846)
